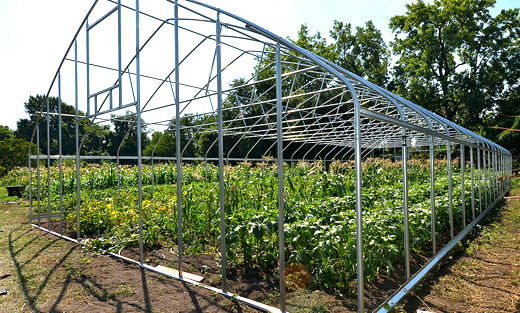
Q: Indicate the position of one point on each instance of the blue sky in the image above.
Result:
(34, 34)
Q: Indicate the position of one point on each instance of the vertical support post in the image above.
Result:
(472, 184)
(502, 189)
(501, 174)
(462, 185)
(494, 174)
(359, 205)
(503, 177)
(490, 178)
(48, 167)
(450, 188)
(498, 171)
(119, 59)
(490, 175)
(479, 183)
(138, 117)
(177, 140)
(499, 156)
(118, 176)
(87, 60)
(38, 170)
(59, 154)
(510, 171)
(30, 184)
(504, 174)
(404, 153)
(486, 176)
(153, 176)
(432, 195)
(484, 154)
(279, 132)
(223, 249)
(78, 189)
(506, 170)
(111, 105)
(497, 178)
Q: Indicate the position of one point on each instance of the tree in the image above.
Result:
(5, 133)
(363, 53)
(316, 43)
(165, 144)
(455, 59)
(124, 135)
(94, 143)
(14, 152)
(503, 125)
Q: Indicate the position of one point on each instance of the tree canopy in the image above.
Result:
(454, 58)
(123, 138)
(362, 52)
(95, 142)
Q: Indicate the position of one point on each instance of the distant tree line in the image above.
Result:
(452, 57)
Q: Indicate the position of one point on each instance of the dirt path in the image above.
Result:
(45, 274)
(483, 278)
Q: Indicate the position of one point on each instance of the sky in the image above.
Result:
(35, 34)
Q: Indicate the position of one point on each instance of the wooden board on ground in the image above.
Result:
(175, 273)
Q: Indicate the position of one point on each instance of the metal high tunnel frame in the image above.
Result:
(254, 94)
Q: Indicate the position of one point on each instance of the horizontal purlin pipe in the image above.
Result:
(104, 90)
(158, 158)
